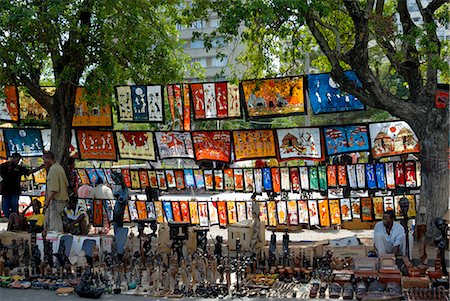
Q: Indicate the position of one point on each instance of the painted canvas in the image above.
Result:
(313, 213)
(73, 147)
(303, 215)
(356, 207)
(392, 139)
(87, 115)
(253, 144)
(294, 178)
(146, 102)
(304, 177)
(322, 177)
(82, 174)
(263, 213)
(335, 212)
(282, 212)
(381, 175)
(361, 175)
(238, 179)
(209, 179)
(370, 176)
(179, 179)
(292, 213)
(346, 139)
(9, 104)
(313, 178)
(218, 180)
(351, 175)
(170, 178)
(203, 214)
(213, 213)
(141, 209)
(267, 179)
(96, 145)
(222, 209)
(257, 173)
(299, 143)
(234, 101)
(272, 213)
(342, 175)
(31, 112)
(176, 210)
(324, 213)
(241, 211)
(159, 212)
(388, 203)
(332, 175)
(135, 183)
(276, 179)
(150, 206)
(231, 211)
(174, 145)
(152, 178)
(126, 177)
(167, 206)
(189, 178)
(228, 178)
(346, 211)
(378, 209)
(137, 145)
(161, 177)
(125, 107)
(284, 175)
(175, 97)
(248, 180)
(185, 214)
(326, 95)
(399, 174)
(366, 209)
(186, 109)
(143, 178)
(212, 145)
(3, 152)
(194, 214)
(26, 142)
(410, 174)
(199, 179)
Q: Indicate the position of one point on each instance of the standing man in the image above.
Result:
(389, 236)
(11, 172)
(56, 195)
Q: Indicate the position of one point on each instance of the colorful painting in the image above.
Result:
(174, 145)
(370, 176)
(248, 180)
(267, 179)
(161, 178)
(326, 96)
(175, 97)
(159, 212)
(292, 213)
(84, 178)
(168, 210)
(101, 174)
(335, 212)
(332, 176)
(126, 177)
(241, 211)
(272, 213)
(212, 145)
(134, 176)
(392, 139)
(304, 177)
(324, 213)
(238, 179)
(234, 101)
(257, 174)
(136, 145)
(303, 217)
(31, 112)
(322, 178)
(141, 209)
(199, 180)
(96, 145)
(299, 143)
(97, 220)
(209, 179)
(86, 115)
(285, 182)
(313, 178)
(179, 179)
(381, 175)
(410, 174)
(342, 175)
(218, 179)
(186, 109)
(228, 179)
(222, 209)
(295, 179)
(185, 214)
(145, 103)
(346, 139)
(276, 180)
(313, 213)
(150, 206)
(282, 212)
(46, 138)
(346, 211)
(170, 177)
(400, 174)
(152, 179)
(213, 213)
(366, 210)
(9, 104)
(411, 209)
(351, 175)
(26, 142)
(232, 214)
(356, 207)
(253, 144)
(203, 214)
(176, 210)
(40, 176)
(361, 175)
(273, 97)
(388, 203)
(378, 209)
(3, 152)
(263, 213)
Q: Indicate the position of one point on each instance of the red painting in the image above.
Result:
(222, 208)
(175, 97)
(399, 174)
(143, 177)
(184, 208)
(212, 145)
(126, 177)
(295, 179)
(276, 179)
(96, 145)
(198, 101)
(222, 100)
(186, 108)
(331, 176)
(179, 179)
(441, 99)
(176, 211)
(410, 174)
(324, 214)
(141, 209)
(342, 175)
(97, 220)
(9, 104)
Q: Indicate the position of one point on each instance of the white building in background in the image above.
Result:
(220, 61)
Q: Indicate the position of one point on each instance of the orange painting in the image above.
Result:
(324, 214)
(96, 145)
(9, 104)
(212, 146)
(143, 177)
(335, 212)
(141, 209)
(253, 144)
(86, 115)
(193, 210)
(232, 212)
(3, 153)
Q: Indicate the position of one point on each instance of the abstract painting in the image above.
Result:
(212, 146)
(145, 103)
(137, 145)
(26, 142)
(392, 139)
(9, 104)
(253, 144)
(96, 145)
(174, 145)
(326, 95)
(273, 97)
(299, 143)
(346, 139)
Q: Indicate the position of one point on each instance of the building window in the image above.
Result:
(197, 44)
(214, 23)
(198, 24)
(201, 61)
(218, 42)
(219, 61)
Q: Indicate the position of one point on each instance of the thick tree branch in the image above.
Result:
(44, 99)
(334, 30)
(435, 5)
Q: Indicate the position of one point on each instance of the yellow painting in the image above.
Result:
(254, 144)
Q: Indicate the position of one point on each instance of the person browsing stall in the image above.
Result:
(389, 236)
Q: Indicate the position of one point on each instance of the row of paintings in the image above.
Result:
(379, 176)
(323, 213)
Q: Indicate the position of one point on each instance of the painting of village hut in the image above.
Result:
(298, 143)
(392, 138)
(274, 97)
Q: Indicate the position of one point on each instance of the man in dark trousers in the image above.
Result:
(11, 172)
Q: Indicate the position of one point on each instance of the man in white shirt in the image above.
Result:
(75, 219)
(389, 236)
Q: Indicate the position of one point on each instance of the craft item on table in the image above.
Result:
(222, 210)
(258, 180)
(9, 104)
(203, 214)
(313, 213)
(271, 212)
(361, 175)
(126, 177)
(292, 213)
(179, 179)
(253, 144)
(410, 174)
(184, 211)
(276, 180)
(381, 175)
(248, 180)
(332, 175)
(231, 212)
(209, 179)
(174, 145)
(399, 174)
(324, 213)
(356, 207)
(351, 175)
(26, 142)
(378, 209)
(228, 178)
(273, 97)
(335, 212)
(176, 211)
(346, 139)
(135, 183)
(194, 214)
(238, 176)
(326, 96)
(170, 178)
(218, 179)
(189, 178)
(212, 145)
(263, 213)
(313, 178)
(299, 143)
(294, 179)
(342, 175)
(370, 176)
(366, 210)
(392, 138)
(322, 170)
(282, 212)
(175, 97)
(304, 178)
(96, 145)
(159, 212)
(198, 178)
(213, 213)
(346, 211)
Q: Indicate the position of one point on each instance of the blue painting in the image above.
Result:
(189, 178)
(101, 174)
(267, 179)
(92, 175)
(26, 142)
(381, 175)
(168, 210)
(326, 96)
(346, 139)
(370, 176)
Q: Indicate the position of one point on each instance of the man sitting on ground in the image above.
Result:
(18, 222)
(75, 219)
(389, 236)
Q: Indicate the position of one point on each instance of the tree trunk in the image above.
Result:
(434, 193)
